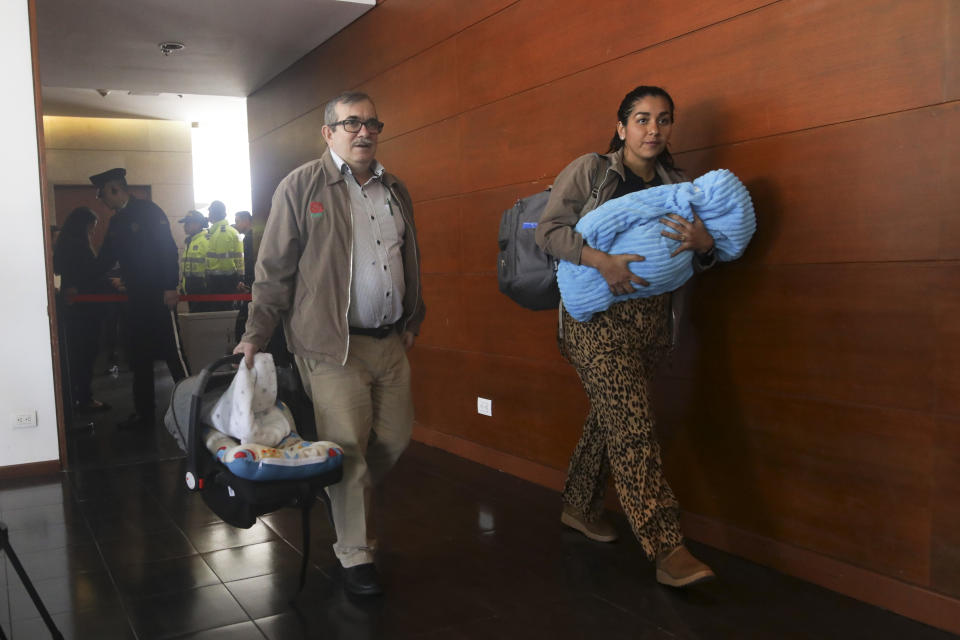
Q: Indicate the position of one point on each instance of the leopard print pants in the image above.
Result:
(615, 353)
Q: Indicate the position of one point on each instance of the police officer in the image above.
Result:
(194, 263)
(139, 239)
(224, 256)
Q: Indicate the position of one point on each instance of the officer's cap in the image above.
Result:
(195, 215)
(107, 176)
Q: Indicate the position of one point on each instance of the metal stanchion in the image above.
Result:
(28, 585)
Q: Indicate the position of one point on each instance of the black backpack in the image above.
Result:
(526, 274)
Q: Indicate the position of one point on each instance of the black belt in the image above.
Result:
(377, 332)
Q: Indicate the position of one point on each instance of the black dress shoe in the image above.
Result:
(362, 580)
(135, 421)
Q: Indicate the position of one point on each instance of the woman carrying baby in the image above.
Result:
(616, 352)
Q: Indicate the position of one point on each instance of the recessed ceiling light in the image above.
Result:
(170, 47)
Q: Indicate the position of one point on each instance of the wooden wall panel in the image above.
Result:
(426, 160)
(951, 65)
(842, 480)
(274, 156)
(433, 71)
(735, 81)
(949, 231)
(570, 37)
(530, 406)
(445, 327)
(945, 551)
(468, 312)
(840, 193)
(857, 333)
(945, 302)
(359, 53)
(497, 325)
(438, 232)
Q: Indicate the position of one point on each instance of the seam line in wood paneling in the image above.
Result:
(716, 146)
(587, 68)
(578, 71)
(778, 134)
(708, 147)
(382, 71)
(494, 188)
(526, 89)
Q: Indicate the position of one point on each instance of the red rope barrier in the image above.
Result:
(207, 297)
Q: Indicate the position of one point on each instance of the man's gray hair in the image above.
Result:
(347, 97)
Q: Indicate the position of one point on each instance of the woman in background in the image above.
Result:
(75, 262)
(616, 352)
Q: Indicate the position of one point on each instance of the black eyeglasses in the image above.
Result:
(352, 125)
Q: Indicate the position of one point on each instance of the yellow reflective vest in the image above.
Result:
(194, 261)
(224, 250)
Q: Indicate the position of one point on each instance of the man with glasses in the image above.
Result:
(139, 239)
(339, 264)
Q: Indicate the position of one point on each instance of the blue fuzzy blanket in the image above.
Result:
(630, 224)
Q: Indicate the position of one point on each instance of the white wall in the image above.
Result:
(26, 372)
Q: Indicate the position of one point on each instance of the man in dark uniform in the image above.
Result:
(139, 239)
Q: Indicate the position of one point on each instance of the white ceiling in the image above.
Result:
(232, 47)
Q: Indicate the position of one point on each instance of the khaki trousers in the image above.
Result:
(366, 407)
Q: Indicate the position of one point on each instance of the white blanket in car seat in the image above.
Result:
(248, 410)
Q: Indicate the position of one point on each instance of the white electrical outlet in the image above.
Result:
(484, 406)
(24, 419)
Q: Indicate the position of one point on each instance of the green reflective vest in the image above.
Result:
(194, 261)
(224, 250)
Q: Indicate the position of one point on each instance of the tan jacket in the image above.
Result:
(570, 200)
(305, 264)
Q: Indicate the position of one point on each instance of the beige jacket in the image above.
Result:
(305, 264)
(570, 200)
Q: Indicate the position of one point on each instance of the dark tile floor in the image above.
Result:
(118, 548)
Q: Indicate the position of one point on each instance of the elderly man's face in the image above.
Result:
(356, 149)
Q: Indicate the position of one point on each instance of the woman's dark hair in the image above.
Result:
(626, 107)
(73, 234)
